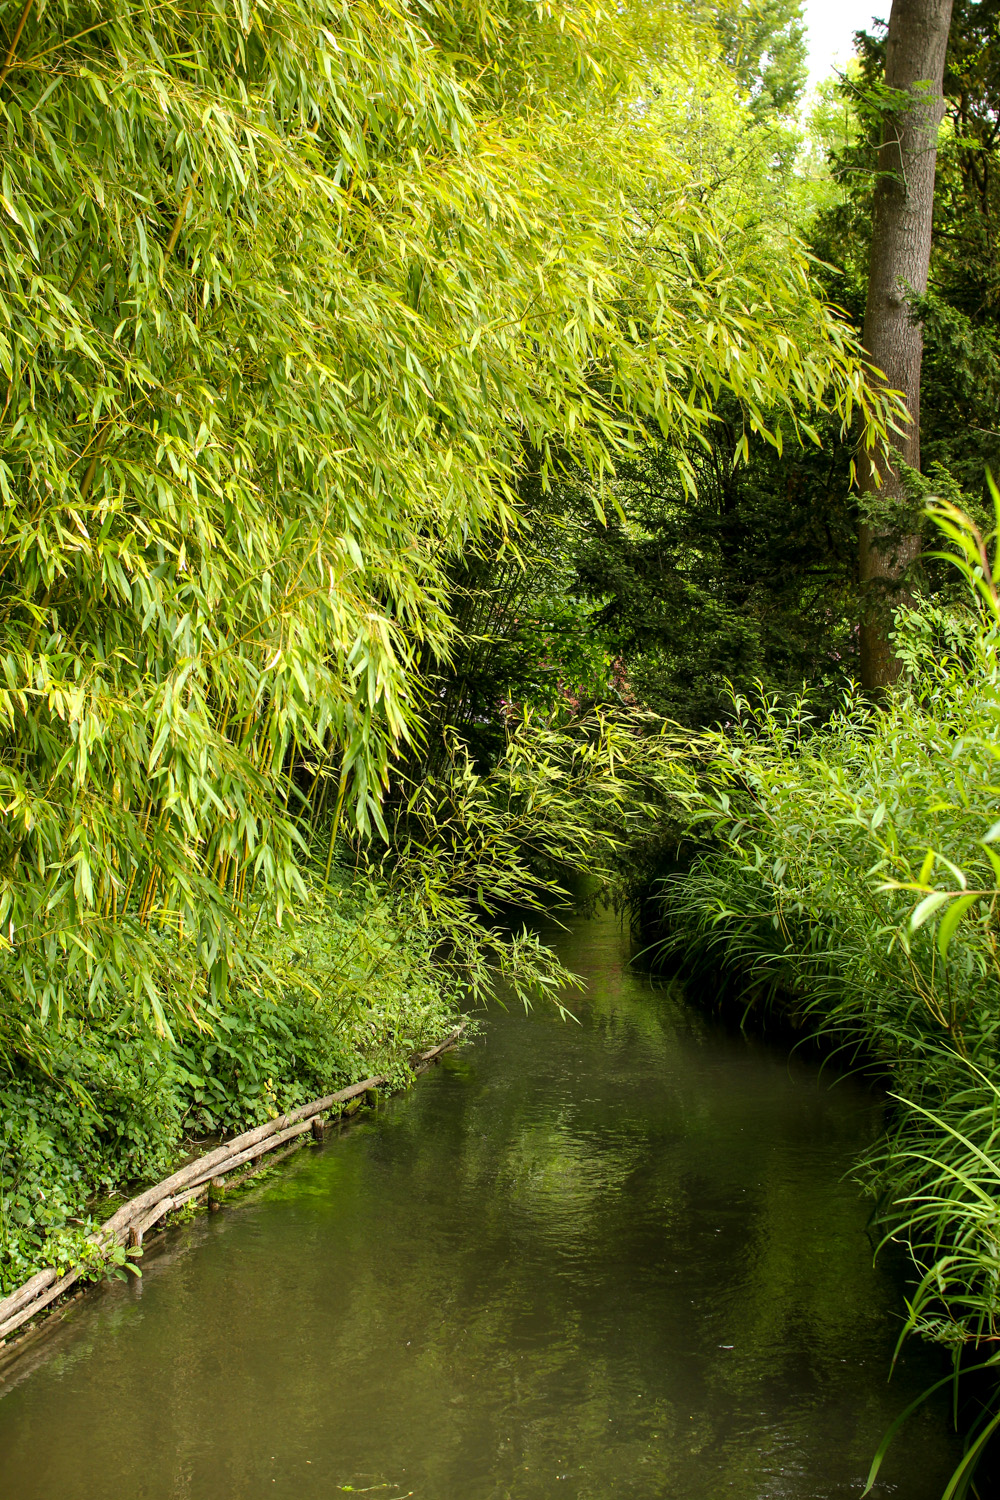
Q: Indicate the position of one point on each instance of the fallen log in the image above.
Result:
(258, 1149)
(140, 1213)
(423, 1060)
(253, 1170)
(26, 1293)
(116, 1228)
(205, 1166)
(55, 1289)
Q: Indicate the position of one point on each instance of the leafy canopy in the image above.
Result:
(287, 290)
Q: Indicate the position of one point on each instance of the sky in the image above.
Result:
(832, 24)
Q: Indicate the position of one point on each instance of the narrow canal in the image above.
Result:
(609, 1261)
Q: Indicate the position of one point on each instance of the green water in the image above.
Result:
(613, 1261)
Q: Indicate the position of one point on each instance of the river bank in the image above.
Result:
(207, 1181)
(92, 1109)
(843, 881)
(619, 1256)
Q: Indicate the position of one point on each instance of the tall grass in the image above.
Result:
(849, 874)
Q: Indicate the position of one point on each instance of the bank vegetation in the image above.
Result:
(437, 442)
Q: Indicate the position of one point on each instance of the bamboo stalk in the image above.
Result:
(8, 61)
(175, 231)
(135, 868)
(88, 477)
(145, 905)
(341, 791)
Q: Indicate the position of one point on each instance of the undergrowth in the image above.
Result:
(102, 1102)
(383, 946)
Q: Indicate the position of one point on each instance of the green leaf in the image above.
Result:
(927, 907)
(950, 921)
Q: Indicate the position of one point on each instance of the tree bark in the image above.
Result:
(900, 259)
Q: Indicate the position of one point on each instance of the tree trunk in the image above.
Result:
(900, 257)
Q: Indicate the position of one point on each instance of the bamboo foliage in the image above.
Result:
(285, 291)
(473, 852)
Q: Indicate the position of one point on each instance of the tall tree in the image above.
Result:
(764, 42)
(900, 258)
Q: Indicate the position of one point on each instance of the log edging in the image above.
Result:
(133, 1219)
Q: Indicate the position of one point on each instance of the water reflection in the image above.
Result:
(614, 1259)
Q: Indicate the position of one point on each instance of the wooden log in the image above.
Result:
(255, 1166)
(449, 1041)
(132, 1220)
(26, 1293)
(260, 1147)
(157, 1212)
(318, 1127)
(203, 1168)
(421, 1061)
(161, 1199)
(167, 1205)
(135, 1238)
(55, 1289)
(189, 1196)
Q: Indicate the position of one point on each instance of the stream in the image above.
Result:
(614, 1260)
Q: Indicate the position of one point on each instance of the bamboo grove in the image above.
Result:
(289, 293)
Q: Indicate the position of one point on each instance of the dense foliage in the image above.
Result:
(752, 575)
(290, 292)
(404, 408)
(115, 1105)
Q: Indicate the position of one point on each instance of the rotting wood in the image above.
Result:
(116, 1228)
(255, 1168)
(449, 1041)
(55, 1289)
(203, 1168)
(240, 1158)
(134, 1219)
(423, 1060)
(26, 1293)
(167, 1206)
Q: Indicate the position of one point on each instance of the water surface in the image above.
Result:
(609, 1261)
